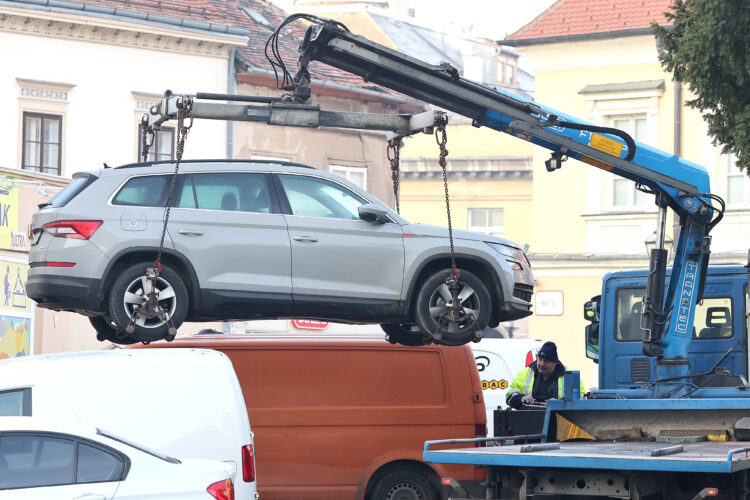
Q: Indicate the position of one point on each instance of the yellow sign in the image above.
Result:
(15, 337)
(13, 277)
(609, 146)
(495, 384)
(8, 211)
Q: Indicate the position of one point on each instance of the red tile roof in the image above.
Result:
(580, 17)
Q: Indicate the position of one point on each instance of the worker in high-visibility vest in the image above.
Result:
(542, 380)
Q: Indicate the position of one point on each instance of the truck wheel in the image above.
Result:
(107, 330)
(404, 483)
(130, 291)
(405, 334)
(434, 301)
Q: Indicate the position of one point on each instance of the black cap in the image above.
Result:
(548, 352)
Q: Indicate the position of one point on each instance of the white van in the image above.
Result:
(181, 402)
(498, 360)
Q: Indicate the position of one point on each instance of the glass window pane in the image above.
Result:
(164, 143)
(186, 197)
(640, 129)
(713, 318)
(232, 192)
(735, 189)
(621, 193)
(628, 314)
(146, 191)
(52, 130)
(357, 177)
(35, 461)
(32, 154)
(11, 403)
(51, 152)
(622, 124)
(97, 466)
(312, 197)
(33, 128)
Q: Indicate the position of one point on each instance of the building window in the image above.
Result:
(737, 183)
(486, 220)
(162, 148)
(624, 193)
(356, 175)
(42, 138)
(269, 158)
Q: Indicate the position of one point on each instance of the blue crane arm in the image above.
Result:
(677, 183)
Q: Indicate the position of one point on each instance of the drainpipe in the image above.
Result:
(231, 90)
(677, 118)
(677, 146)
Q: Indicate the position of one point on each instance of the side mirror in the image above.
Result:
(592, 342)
(373, 213)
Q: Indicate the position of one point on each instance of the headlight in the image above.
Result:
(514, 253)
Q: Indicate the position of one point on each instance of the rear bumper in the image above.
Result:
(64, 293)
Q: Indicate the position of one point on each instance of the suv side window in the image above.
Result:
(144, 191)
(315, 197)
(232, 192)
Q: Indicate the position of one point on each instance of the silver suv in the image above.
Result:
(261, 240)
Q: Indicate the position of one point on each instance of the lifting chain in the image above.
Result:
(441, 137)
(393, 152)
(150, 308)
(147, 140)
(457, 310)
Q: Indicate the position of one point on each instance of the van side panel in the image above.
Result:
(324, 414)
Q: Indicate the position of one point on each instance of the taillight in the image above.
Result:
(248, 463)
(529, 358)
(223, 490)
(80, 229)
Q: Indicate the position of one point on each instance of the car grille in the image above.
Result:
(523, 291)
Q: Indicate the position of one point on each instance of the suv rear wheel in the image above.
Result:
(434, 301)
(130, 291)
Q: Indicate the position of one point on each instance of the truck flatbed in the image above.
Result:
(718, 457)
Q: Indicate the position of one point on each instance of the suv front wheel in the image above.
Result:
(434, 307)
(129, 293)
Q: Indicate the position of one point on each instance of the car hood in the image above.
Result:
(442, 232)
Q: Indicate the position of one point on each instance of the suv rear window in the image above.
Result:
(70, 191)
(144, 191)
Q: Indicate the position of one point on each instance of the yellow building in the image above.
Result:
(586, 222)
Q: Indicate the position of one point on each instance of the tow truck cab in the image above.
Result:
(614, 337)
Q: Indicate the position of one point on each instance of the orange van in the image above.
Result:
(343, 418)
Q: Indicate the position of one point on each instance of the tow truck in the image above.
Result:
(671, 434)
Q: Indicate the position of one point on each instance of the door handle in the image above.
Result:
(91, 496)
(190, 232)
(308, 239)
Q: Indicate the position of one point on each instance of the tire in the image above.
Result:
(433, 302)
(404, 483)
(405, 334)
(107, 330)
(127, 293)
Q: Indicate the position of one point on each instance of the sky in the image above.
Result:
(493, 19)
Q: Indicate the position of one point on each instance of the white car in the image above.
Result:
(44, 459)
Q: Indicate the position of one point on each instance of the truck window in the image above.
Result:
(713, 317)
(15, 403)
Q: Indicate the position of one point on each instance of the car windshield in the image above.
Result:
(127, 442)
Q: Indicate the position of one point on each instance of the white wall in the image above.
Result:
(101, 121)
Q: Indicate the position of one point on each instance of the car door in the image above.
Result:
(337, 258)
(42, 465)
(229, 227)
